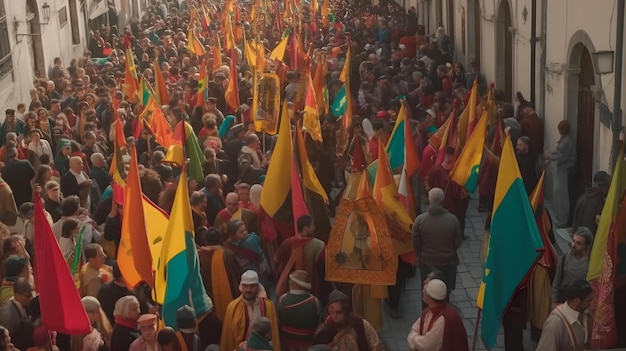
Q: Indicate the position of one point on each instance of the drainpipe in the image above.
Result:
(617, 92)
(542, 59)
(533, 50)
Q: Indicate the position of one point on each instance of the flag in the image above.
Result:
(156, 227)
(144, 91)
(116, 170)
(279, 51)
(78, 249)
(340, 102)
(319, 82)
(229, 42)
(162, 94)
(513, 245)
(469, 113)
(540, 282)
(133, 254)
(275, 197)
(177, 280)
(314, 194)
(466, 168)
(217, 55)
(605, 261)
(610, 209)
(193, 43)
(130, 87)
(59, 301)
(186, 145)
(410, 163)
(232, 91)
(206, 16)
(154, 117)
(311, 119)
(386, 195)
(396, 145)
(449, 137)
(345, 103)
(203, 91)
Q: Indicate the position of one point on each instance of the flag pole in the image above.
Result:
(264, 143)
(478, 312)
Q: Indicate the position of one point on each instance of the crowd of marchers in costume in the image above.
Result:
(265, 284)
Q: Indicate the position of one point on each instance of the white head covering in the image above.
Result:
(122, 306)
(255, 194)
(437, 289)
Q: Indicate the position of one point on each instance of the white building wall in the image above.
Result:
(566, 21)
(570, 21)
(56, 41)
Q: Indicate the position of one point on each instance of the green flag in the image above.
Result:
(340, 103)
(78, 251)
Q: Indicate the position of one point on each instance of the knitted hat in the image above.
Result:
(185, 315)
(301, 278)
(336, 296)
(13, 266)
(437, 289)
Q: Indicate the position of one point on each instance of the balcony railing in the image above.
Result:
(6, 66)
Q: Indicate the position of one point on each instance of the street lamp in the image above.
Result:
(45, 12)
(603, 61)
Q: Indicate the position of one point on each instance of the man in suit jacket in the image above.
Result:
(76, 182)
(18, 174)
(14, 318)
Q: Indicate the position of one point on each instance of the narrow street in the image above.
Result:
(469, 276)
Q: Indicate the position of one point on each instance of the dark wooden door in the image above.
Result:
(584, 139)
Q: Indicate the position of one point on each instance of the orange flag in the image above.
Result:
(311, 115)
(162, 94)
(232, 92)
(133, 255)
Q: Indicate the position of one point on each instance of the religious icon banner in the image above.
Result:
(266, 103)
(360, 248)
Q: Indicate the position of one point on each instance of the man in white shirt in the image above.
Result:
(440, 327)
(568, 327)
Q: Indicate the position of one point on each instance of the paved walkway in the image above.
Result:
(469, 276)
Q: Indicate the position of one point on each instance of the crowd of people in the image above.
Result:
(266, 290)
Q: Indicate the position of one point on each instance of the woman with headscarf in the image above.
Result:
(62, 159)
(99, 337)
(126, 314)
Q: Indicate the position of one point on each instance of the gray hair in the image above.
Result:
(585, 233)
(95, 157)
(436, 197)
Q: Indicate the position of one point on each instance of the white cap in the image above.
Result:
(249, 277)
(437, 289)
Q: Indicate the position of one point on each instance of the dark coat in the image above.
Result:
(18, 174)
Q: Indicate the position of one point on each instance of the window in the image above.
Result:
(6, 62)
(62, 16)
(74, 22)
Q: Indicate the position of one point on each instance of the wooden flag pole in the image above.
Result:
(476, 329)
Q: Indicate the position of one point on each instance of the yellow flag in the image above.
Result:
(279, 51)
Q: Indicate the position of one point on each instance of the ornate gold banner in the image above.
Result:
(266, 103)
(360, 249)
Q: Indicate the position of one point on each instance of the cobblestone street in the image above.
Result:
(469, 276)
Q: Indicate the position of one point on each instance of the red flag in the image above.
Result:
(61, 308)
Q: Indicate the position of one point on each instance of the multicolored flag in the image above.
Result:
(193, 43)
(514, 245)
(162, 94)
(178, 281)
(604, 260)
(232, 91)
(311, 119)
(468, 114)
(203, 91)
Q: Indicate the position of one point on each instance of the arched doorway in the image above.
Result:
(36, 46)
(582, 104)
(474, 31)
(504, 50)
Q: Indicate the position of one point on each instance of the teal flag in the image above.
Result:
(340, 103)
